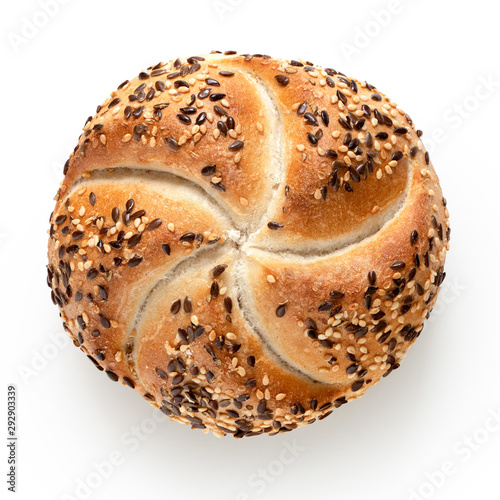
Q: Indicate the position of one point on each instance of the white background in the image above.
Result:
(434, 59)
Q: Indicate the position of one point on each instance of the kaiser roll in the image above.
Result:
(247, 242)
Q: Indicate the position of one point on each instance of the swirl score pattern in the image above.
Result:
(247, 242)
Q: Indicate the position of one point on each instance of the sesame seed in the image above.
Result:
(311, 119)
(235, 146)
(281, 310)
(282, 80)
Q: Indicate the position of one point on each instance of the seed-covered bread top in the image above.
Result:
(248, 242)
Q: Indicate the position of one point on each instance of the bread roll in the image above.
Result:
(247, 242)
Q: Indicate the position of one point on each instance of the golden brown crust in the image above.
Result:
(284, 243)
